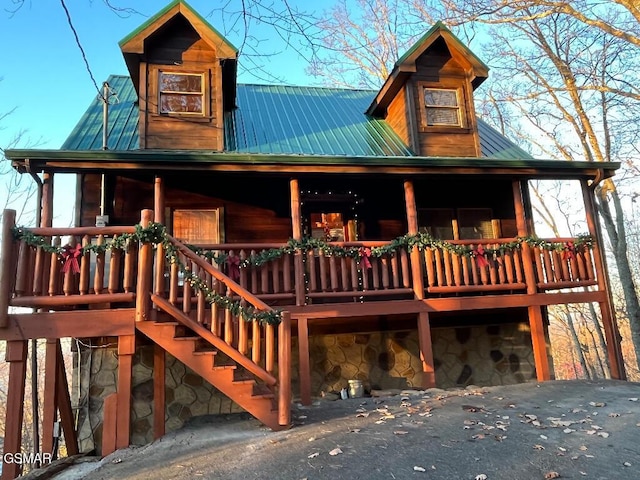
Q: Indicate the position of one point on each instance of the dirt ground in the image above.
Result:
(571, 430)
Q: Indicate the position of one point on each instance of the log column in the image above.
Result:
(16, 355)
(424, 326)
(7, 265)
(304, 367)
(145, 261)
(296, 227)
(612, 334)
(159, 357)
(536, 316)
(50, 408)
(159, 360)
(126, 349)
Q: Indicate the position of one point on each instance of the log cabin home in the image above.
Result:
(238, 244)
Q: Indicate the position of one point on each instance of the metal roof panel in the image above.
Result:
(278, 120)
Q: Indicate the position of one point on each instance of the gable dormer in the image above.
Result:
(428, 97)
(184, 72)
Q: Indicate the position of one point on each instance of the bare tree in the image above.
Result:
(575, 93)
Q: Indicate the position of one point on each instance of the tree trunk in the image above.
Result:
(602, 344)
(576, 344)
(616, 233)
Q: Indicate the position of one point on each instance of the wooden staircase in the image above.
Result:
(248, 361)
(192, 345)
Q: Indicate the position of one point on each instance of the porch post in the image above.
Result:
(64, 405)
(159, 358)
(523, 231)
(296, 226)
(16, 355)
(536, 317)
(424, 326)
(46, 209)
(145, 264)
(126, 349)
(304, 366)
(611, 331)
(7, 273)
(158, 217)
(412, 227)
(50, 408)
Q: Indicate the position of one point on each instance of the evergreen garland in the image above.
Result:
(156, 234)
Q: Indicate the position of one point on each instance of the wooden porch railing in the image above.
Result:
(274, 280)
(448, 272)
(555, 272)
(33, 277)
(444, 272)
(324, 276)
(105, 276)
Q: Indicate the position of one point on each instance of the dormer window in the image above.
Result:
(181, 93)
(442, 107)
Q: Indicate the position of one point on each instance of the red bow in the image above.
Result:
(569, 251)
(70, 257)
(364, 254)
(480, 256)
(233, 262)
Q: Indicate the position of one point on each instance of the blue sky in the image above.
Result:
(45, 80)
(44, 76)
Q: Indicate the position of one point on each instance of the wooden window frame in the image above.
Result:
(202, 94)
(461, 108)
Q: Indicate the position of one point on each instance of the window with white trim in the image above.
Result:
(442, 107)
(181, 93)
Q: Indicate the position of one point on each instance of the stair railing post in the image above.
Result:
(6, 265)
(284, 369)
(145, 264)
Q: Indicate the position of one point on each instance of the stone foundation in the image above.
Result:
(479, 355)
(497, 354)
(187, 394)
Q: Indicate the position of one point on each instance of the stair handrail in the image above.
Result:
(214, 340)
(235, 287)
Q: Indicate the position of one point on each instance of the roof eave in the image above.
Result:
(71, 161)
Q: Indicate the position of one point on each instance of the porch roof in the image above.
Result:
(198, 160)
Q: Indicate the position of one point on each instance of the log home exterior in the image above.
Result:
(306, 211)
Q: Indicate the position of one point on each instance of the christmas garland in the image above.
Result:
(156, 234)
(406, 242)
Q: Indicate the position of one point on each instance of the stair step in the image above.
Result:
(244, 381)
(205, 351)
(228, 366)
(187, 338)
(163, 323)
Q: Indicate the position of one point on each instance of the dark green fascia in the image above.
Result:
(199, 156)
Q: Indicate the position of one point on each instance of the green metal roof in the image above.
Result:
(279, 120)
